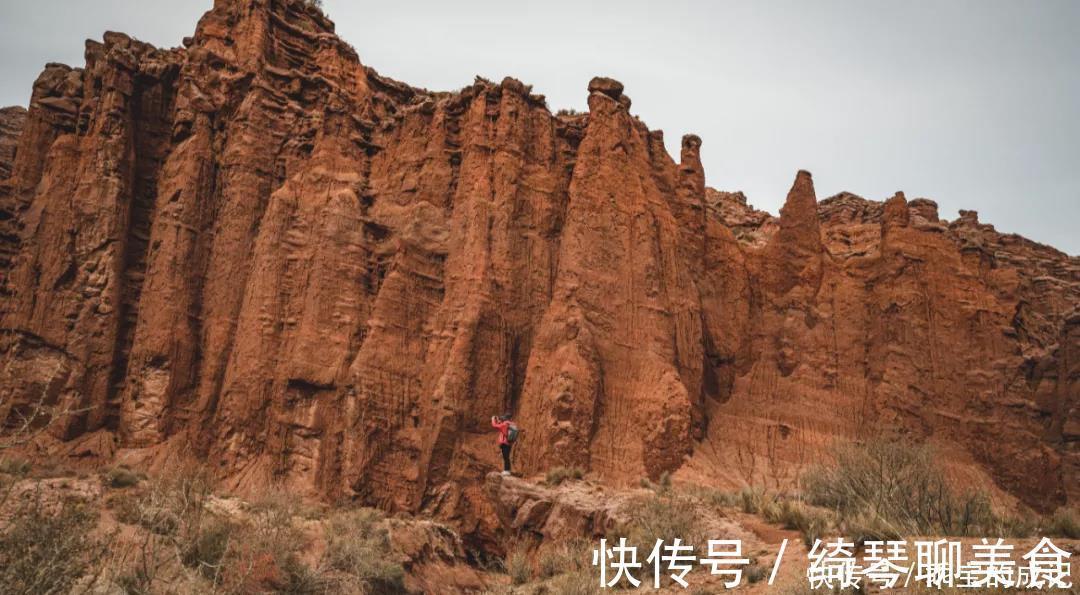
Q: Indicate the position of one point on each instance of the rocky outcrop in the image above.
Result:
(258, 251)
(12, 120)
(948, 332)
(552, 513)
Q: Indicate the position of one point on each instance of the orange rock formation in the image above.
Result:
(259, 251)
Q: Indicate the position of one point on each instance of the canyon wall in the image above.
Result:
(255, 250)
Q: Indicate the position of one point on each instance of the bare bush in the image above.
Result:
(517, 566)
(122, 477)
(45, 550)
(576, 583)
(177, 541)
(558, 475)
(811, 522)
(358, 550)
(892, 488)
(1065, 522)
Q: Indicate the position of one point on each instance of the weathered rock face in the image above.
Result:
(256, 250)
(887, 319)
(12, 120)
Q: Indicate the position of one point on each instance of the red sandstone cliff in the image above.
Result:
(257, 250)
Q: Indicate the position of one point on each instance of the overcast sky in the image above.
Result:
(974, 103)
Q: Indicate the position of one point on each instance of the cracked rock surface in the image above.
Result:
(256, 250)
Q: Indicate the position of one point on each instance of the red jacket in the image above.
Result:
(504, 429)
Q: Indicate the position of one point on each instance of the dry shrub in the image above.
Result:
(1022, 524)
(811, 522)
(16, 466)
(358, 551)
(715, 497)
(558, 475)
(121, 477)
(751, 500)
(564, 558)
(755, 572)
(298, 578)
(664, 515)
(208, 544)
(897, 488)
(265, 553)
(517, 566)
(1065, 522)
(576, 583)
(45, 550)
(170, 510)
(866, 526)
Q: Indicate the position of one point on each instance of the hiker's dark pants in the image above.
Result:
(505, 448)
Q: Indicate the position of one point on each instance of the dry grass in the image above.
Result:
(517, 566)
(358, 552)
(564, 558)
(714, 497)
(811, 522)
(664, 517)
(558, 475)
(564, 567)
(576, 583)
(16, 466)
(46, 550)
(122, 477)
(755, 572)
(1065, 522)
(891, 488)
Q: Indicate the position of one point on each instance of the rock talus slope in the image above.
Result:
(257, 250)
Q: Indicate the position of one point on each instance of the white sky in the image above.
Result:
(973, 103)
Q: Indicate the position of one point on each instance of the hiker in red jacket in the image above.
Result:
(507, 434)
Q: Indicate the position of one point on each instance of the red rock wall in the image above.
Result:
(256, 250)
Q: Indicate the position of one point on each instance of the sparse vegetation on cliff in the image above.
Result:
(557, 475)
(888, 489)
